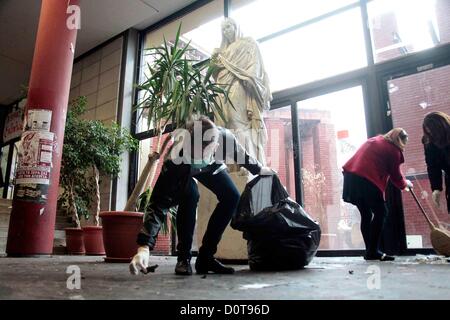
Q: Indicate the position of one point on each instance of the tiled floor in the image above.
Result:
(324, 278)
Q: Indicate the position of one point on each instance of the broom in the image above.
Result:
(440, 238)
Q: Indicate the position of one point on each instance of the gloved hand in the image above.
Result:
(436, 196)
(409, 185)
(140, 260)
(266, 171)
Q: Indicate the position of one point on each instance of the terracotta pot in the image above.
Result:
(120, 230)
(93, 240)
(74, 241)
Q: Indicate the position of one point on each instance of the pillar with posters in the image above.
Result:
(33, 215)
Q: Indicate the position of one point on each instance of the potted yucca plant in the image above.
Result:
(173, 92)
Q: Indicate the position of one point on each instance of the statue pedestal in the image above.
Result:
(232, 245)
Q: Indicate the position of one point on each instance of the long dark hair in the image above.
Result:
(436, 129)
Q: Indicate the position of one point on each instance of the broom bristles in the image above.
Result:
(440, 239)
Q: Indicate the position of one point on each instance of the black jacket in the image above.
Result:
(174, 177)
(438, 160)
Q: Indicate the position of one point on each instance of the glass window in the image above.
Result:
(146, 147)
(411, 98)
(259, 18)
(323, 49)
(200, 28)
(328, 139)
(399, 27)
(279, 147)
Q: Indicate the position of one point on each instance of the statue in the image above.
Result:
(240, 69)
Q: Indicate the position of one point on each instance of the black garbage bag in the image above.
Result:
(280, 234)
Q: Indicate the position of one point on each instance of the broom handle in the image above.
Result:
(433, 213)
(422, 209)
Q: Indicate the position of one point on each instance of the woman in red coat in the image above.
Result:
(366, 176)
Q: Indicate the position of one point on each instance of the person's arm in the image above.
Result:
(164, 196)
(434, 166)
(396, 175)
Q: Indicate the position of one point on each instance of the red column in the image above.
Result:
(32, 223)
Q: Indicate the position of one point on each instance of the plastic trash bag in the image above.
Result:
(280, 234)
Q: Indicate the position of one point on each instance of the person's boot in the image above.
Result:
(183, 267)
(203, 265)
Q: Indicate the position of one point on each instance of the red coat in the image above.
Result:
(378, 160)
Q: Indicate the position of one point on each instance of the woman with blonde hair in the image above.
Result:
(366, 176)
(436, 141)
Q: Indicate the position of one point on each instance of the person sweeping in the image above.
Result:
(366, 175)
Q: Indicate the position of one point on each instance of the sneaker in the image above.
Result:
(183, 268)
(204, 265)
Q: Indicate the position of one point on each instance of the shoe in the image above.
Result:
(380, 256)
(385, 257)
(183, 268)
(204, 265)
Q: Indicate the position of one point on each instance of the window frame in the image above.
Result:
(371, 78)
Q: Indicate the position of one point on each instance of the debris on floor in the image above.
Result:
(255, 286)
(426, 259)
(431, 259)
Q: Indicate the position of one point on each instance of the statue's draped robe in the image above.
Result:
(242, 73)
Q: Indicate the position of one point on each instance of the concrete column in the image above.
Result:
(32, 222)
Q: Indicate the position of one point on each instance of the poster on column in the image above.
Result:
(35, 158)
(13, 125)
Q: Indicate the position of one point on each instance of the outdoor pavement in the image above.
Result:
(324, 278)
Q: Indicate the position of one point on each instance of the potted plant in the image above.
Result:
(174, 91)
(90, 149)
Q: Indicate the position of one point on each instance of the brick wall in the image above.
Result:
(278, 150)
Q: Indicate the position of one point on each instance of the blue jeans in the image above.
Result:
(227, 195)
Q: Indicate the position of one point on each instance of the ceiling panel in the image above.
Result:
(100, 21)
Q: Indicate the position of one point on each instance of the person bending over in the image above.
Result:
(176, 186)
(366, 175)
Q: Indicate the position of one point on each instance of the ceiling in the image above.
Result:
(100, 21)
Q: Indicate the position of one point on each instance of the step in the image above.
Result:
(5, 202)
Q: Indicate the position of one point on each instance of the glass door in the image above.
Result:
(411, 97)
(332, 127)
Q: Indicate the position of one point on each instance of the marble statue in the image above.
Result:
(240, 69)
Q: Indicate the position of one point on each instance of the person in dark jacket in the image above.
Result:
(436, 141)
(176, 186)
(366, 176)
